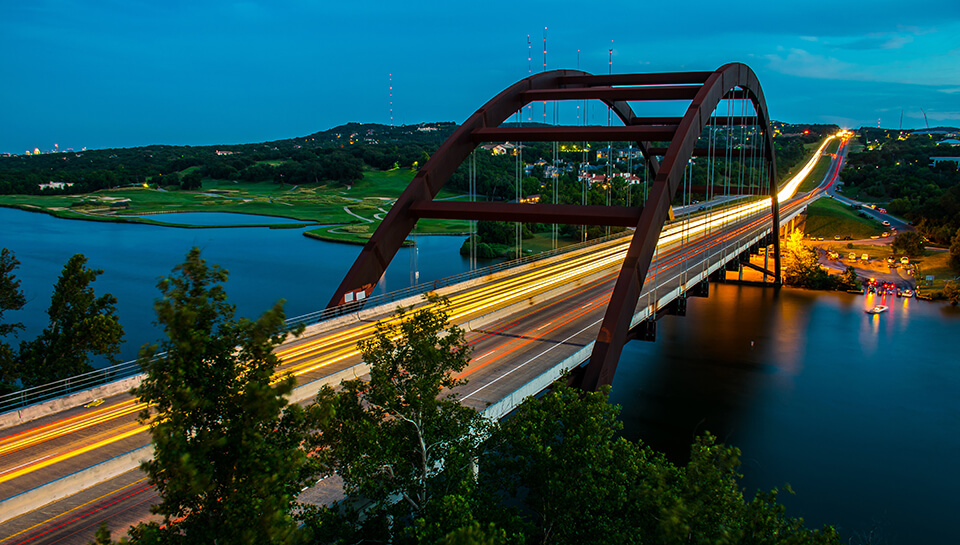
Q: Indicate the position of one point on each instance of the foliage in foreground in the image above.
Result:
(228, 458)
(11, 298)
(554, 472)
(568, 478)
(418, 466)
(397, 440)
(80, 324)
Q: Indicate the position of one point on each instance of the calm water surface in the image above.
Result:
(860, 414)
(265, 265)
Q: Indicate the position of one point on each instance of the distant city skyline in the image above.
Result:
(124, 74)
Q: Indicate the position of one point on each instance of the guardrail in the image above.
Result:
(60, 388)
(45, 392)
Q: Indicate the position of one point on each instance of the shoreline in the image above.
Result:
(81, 216)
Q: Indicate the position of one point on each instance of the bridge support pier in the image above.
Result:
(644, 331)
(677, 307)
(700, 290)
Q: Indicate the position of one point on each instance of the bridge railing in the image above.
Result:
(67, 386)
(45, 392)
(417, 289)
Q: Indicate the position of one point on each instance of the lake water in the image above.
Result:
(265, 265)
(859, 414)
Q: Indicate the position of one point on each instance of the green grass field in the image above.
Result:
(823, 165)
(828, 218)
(816, 175)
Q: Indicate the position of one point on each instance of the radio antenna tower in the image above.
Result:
(544, 69)
(610, 73)
(529, 73)
(390, 79)
(578, 68)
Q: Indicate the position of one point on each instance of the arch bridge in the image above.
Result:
(667, 144)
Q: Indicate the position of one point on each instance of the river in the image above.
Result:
(265, 265)
(859, 414)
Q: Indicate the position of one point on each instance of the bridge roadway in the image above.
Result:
(526, 327)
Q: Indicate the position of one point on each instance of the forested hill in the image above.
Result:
(906, 170)
(337, 154)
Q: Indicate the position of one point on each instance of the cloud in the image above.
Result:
(950, 91)
(877, 41)
(943, 116)
(798, 62)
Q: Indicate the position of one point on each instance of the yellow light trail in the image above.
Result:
(67, 455)
(342, 345)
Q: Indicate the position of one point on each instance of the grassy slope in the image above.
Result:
(809, 150)
(828, 218)
(312, 203)
(819, 171)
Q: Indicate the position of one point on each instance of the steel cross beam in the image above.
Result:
(616, 322)
(399, 222)
(574, 214)
(704, 89)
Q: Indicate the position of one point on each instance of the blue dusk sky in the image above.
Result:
(111, 73)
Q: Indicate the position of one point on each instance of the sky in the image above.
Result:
(110, 73)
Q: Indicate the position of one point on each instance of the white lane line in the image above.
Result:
(546, 324)
(4, 472)
(561, 343)
(478, 358)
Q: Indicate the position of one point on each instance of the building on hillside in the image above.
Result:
(56, 185)
(937, 160)
(502, 149)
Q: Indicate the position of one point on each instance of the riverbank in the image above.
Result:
(364, 203)
(840, 404)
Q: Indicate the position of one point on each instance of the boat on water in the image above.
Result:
(877, 309)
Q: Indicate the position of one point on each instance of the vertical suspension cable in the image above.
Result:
(472, 173)
(519, 172)
(741, 143)
(555, 176)
(608, 180)
(709, 181)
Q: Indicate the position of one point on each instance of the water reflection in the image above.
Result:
(857, 412)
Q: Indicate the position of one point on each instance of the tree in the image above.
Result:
(227, 460)
(11, 298)
(395, 440)
(952, 292)
(908, 243)
(192, 180)
(559, 457)
(848, 279)
(803, 266)
(954, 259)
(81, 324)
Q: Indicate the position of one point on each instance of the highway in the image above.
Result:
(551, 310)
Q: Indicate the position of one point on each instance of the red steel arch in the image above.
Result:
(704, 90)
